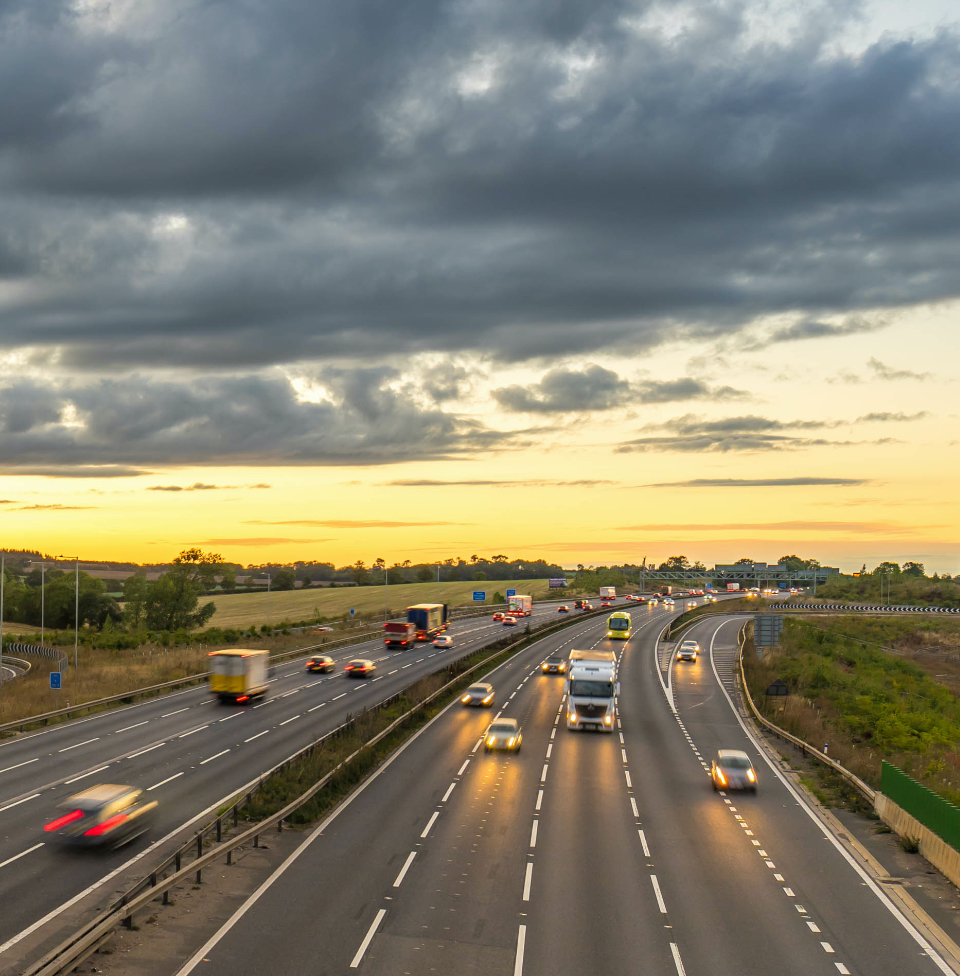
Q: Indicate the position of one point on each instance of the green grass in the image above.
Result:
(911, 590)
(240, 610)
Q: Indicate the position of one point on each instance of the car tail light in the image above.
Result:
(69, 818)
(243, 698)
(106, 826)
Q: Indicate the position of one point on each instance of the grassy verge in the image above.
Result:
(912, 590)
(873, 689)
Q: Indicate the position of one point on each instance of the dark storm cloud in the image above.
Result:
(223, 186)
(809, 482)
(234, 420)
(595, 388)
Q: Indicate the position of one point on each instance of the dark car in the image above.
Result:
(554, 664)
(103, 816)
(563, 609)
(320, 663)
(359, 667)
(732, 770)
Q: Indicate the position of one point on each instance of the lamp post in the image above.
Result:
(76, 612)
(3, 575)
(43, 570)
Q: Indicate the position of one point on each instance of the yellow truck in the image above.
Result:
(237, 675)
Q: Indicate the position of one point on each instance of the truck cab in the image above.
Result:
(592, 690)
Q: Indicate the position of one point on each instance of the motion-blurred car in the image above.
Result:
(688, 651)
(503, 734)
(710, 598)
(480, 695)
(732, 770)
(320, 663)
(668, 601)
(103, 816)
(653, 601)
(554, 664)
(691, 604)
(509, 621)
(359, 667)
(563, 609)
(442, 640)
(498, 616)
(587, 606)
(605, 603)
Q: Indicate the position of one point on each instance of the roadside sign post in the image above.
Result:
(511, 593)
(767, 628)
(479, 596)
(56, 679)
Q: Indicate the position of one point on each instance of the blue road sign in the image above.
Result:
(352, 611)
(511, 592)
(55, 677)
(479, 596)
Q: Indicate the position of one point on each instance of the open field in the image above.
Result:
(240, 610)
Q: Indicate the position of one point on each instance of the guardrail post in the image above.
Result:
(199, 854)
(280, 826)
(236, 814)
(176, 861)
(219, 829)
(230, 856)
(256, 840)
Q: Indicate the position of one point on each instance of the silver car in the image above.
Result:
(688, 651)
(504, 733)
(480, 694)
(732, 770)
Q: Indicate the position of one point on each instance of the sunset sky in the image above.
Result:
(590, 280)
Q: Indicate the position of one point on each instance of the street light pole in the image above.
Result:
(43, 570)
(3, 575)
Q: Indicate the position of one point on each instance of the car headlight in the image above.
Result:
(512, 741)
(608, 720)
(572, 716)
(544, 666)
(465, 699)
(488, 699)
(491, 740)
(751, 775)
(563, 667)
(721, 777)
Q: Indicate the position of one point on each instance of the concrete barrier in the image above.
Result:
(934, 849)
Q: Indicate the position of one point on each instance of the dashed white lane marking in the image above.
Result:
(177, 712)
(368, 938)
(203, 762)
(288, 721)
(164, 782)
(521, 941)
(539, 800)
(227, 719)
(626, 773)
(17, 803)
(16, 857)
(533, 833)
(394, 671)
(126, 728)
(404, 869)
(18, 765)
(257, 736)
(827, 947)
(200, 729)
(842, 969)
(657, 892)
(549, 750)
(133, 755)
(543, 774)
(633, 804)
(553, 733)
(287, 694)
(813, 926)
(479, 743)
(677, 961)
(76, 779)
(430, 823)
(643, 844)
(466, 763)
(788, 892)
(446, 796)
(315, 707)
(86, 742)
(527, 881)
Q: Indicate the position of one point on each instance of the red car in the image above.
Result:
(498, 616)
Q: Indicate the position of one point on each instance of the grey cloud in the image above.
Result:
(801, 481)
(70, 470)
(326, 181)
(859, 527)
(55, 508)
(595, 388)
(237, 420)
(813, 329)
(884, 372)
(200, 486)
(886, 417)
(484, 483)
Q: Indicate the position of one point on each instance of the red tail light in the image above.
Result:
(243, 698)
(106, 826)
(63, 821)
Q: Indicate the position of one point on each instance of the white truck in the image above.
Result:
(519, 605)
(608, 593)
(592, 689)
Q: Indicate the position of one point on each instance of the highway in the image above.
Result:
(584, 853)
(188, 752)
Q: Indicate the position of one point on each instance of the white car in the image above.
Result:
(504, 733)
(442, 640)
(688, 651)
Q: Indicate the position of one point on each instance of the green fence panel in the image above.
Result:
(933, 811)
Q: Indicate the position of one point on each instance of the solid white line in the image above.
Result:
(466, 763)
(533, 833)
(539, 800)
(133, 755)
(367, 939)
(17, 803)
(217, 756)
(164, 782)
(124, 729)
(199, 729)
(27, 763)
(430, 823)
(527, 881)
(446, 796)
(257, 736)
(521, 940)
(404, 869)
(677, 961)
(643, 844)
(177, 712)
(77, 746)
(76, 779)
(16, 857)
(288, 721)
(656, 891)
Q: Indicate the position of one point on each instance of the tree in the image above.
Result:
(425, 574)
(479, 576)
(887, 567)
(172, 602)
(674, 563)
(474, 558)
(792, 564)
(380, 563)
(500, 559)
(228, 579)
(135, 590)
(913, 569)
(284, 580)
(744, 562)
(359, 574)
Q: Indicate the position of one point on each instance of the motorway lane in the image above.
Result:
(755, 881)
(185, 751)
(436, 865)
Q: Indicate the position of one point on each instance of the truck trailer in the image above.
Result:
(428, 619)
(238, 675)
(608, 593)
(592, 690)
(399, 633)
